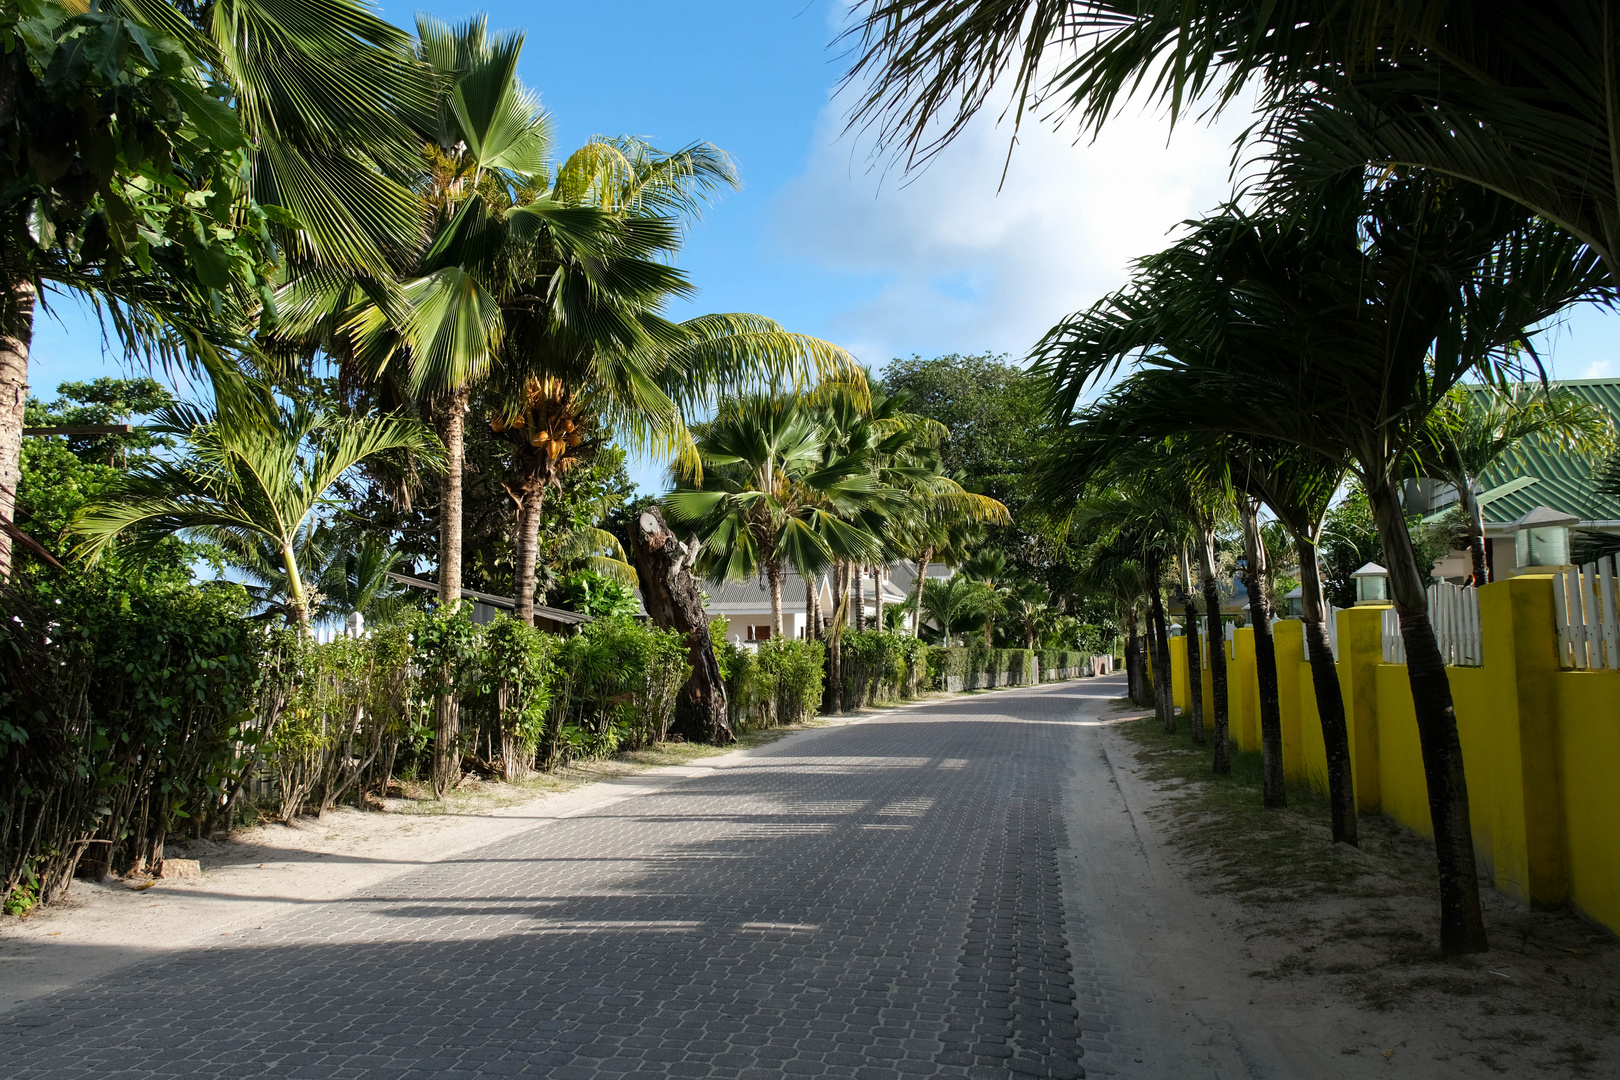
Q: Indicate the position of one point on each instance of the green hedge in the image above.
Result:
(879, 666)
(778, 682)
(1063, 659)
(130, 712)
(974, 666)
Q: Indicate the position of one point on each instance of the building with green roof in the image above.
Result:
(1539, 477)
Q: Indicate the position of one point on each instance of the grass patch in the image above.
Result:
(1262, 857)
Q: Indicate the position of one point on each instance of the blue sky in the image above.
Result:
(942, 262)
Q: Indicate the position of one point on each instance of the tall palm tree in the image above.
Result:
(254, 472)
(1474, 428)
(1297, 485)
(1356, 320)
(1520, 97)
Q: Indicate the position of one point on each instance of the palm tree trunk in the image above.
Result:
(452, 420)
(452, 423)
(773, 578)
(16, 337)
(1163, 687)
(1274, 790)
(1476, 533)
(1195, 673)
(922, 575)
(858, 573)
(811, 598)
(1329, 699)
(295, 588)
(1133, 660)
(526, 557)
(877, 594)
(1217, 655)
(1462, 922)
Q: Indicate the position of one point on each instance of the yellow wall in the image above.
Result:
(1541, 746)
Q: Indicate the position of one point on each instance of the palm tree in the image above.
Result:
(765, 498)
(990, 569)
(120, 181)
(1517, 97)
(1473, 428)
(255, 472)
(956, 600)
(1355, 321)
(1027, 600)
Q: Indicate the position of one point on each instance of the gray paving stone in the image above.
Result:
(874, 901)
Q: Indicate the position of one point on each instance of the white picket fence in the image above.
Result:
(1332, 634)
(1454, 614)
(1588, 630)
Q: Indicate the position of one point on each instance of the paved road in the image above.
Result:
(875, 900)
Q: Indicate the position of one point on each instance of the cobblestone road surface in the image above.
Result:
(875, 900)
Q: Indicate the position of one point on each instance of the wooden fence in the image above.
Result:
(1454, 614)
(1585, 614)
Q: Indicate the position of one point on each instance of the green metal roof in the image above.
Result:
(1563, 482)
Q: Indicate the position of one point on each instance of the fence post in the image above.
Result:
(1361, 650)
(1513, 758)
(1289, 636)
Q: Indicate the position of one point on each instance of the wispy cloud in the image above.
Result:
(943, 261)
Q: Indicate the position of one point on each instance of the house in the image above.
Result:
(485, 606)
(746, 605)
(1545, 478)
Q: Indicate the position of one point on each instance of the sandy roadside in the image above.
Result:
(1338, 982)
(265, 872)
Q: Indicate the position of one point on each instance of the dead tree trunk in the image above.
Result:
(675, 602)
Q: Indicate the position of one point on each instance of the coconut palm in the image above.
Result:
(254, 472)
(766, 497)
(1474, 428)
(1515, 97)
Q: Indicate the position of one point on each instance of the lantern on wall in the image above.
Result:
(1372, 584)
(1295, 604)
(1541, 539)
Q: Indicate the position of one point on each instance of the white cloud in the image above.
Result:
(944, 262)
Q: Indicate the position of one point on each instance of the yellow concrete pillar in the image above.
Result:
(1515, 751)
(1178, 672)
(1361, 650)
(1243, 687)
(1289, 638)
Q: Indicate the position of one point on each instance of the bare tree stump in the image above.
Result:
(675, 602)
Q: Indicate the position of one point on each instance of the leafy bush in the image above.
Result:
(615, 687)
(592, 593)
(879, 666)
(125, 711)
(778, 682)
(520, 668)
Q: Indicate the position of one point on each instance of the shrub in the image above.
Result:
(124, 711)
(616, 682)
(976, 666)
(778, 682)
(879, 666)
